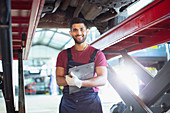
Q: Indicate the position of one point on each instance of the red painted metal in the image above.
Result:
(20, 29)
(20, 20)
(21, 4)
(25, 17)
(149, 26)
(18, 43)
(34, 19)
(16, 37)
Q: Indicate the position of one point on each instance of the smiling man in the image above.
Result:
(86, 100)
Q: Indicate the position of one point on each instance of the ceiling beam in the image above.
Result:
(35, 14)
(20, 19)
(21, 5)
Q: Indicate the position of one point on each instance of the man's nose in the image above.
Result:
(79, 31)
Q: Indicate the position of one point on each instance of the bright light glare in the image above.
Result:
(137, 6)
(127, 76)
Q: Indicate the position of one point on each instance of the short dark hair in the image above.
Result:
(78, 20)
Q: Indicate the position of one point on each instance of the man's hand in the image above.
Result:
(73, 80)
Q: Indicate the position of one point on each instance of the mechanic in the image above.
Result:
(86, 100)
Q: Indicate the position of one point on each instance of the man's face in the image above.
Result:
(79, 32)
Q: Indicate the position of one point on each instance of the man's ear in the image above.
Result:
(70, 33)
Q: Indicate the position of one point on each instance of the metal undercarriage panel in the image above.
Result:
(99, 13)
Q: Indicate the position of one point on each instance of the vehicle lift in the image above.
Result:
(154, 97)
(148, 27)
(11, 50)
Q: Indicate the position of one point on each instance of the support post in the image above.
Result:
(6, 53)
(167, 45)
(21, 83)
(1, 80)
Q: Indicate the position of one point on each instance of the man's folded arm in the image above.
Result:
(60, 76)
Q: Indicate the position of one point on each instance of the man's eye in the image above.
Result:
(74, 30)
(82, 29)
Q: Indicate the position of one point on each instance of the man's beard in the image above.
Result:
(78, 42)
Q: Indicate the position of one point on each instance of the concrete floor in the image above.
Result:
(37, 104)
(45, 104)
(49, 104)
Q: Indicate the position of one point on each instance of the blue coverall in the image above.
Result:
(84, 101)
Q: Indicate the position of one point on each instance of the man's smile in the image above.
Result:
(79, 36)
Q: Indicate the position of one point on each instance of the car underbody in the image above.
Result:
(103, 14)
